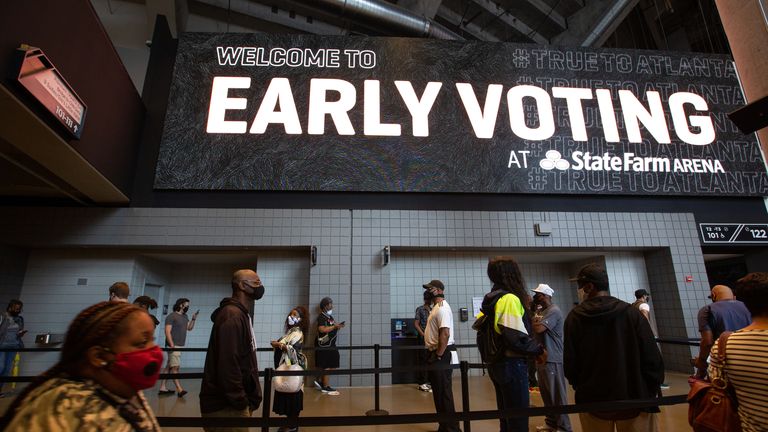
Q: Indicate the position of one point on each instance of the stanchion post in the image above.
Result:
(376, 411)
(465, 395)
(267, 398)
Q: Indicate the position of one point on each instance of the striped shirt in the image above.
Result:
(746, 364)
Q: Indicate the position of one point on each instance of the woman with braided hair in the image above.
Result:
(109, 356)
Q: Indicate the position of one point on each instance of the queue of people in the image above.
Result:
(110, 356)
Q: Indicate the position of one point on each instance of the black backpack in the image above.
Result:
(489, 343)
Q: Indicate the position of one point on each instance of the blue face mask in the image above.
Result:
(293, 320)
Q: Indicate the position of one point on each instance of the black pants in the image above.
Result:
(421, 360)
(532, 381)
(442, 390)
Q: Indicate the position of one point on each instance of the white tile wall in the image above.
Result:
(285, 276)
(350, 243)
(52, 297)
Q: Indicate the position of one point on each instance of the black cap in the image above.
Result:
(434, 284)
(592, 273)
(641, 292)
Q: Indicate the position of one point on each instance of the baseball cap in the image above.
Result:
(641, 292)
(434, 284)
(592, 273)
(544, 289)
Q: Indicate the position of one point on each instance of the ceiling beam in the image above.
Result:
(594, 23)
(508, 19)
(427, 8)
(549, 12)
(470, 28)
(282, 16)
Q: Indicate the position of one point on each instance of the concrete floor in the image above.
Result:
(401, 399)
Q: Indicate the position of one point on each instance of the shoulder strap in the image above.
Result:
(722, 345)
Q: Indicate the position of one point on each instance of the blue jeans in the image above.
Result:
(510, 379)
(6, 361)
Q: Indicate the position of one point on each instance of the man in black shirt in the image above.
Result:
(327, 356)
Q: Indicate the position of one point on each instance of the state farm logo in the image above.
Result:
(627, 162)
(554, 160)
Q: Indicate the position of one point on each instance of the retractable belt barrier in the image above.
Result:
(420, 418)
(377, 416)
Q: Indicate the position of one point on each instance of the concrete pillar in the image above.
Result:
(747, 32)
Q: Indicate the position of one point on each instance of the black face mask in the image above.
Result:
(185, 309)
(14, 313)
(256, 292)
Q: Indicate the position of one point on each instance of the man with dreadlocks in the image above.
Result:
(109, 356)
(509, 303)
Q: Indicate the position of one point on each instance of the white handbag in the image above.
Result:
(288, 384)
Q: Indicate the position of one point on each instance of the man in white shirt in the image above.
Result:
(641, 303)
(438, 339)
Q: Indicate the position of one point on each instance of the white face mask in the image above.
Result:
(329, 312)
(292, 320)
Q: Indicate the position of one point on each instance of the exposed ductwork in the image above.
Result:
(379, 15)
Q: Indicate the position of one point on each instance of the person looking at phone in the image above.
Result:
(327, 355)
(177, 324)
(11, 332)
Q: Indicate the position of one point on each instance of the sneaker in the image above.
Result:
(318, 385)
(328, 389)
(424, 387)
(665, 386)
(545, 428)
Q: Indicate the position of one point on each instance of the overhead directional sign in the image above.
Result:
(734, 233)
(46, 84)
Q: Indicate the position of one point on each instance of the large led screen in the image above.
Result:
(313, 113)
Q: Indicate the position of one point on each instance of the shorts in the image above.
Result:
(327, 359)
(174, 358)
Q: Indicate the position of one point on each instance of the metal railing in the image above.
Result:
(376, 416)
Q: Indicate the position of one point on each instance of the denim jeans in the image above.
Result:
(6, 361)
(510, 379)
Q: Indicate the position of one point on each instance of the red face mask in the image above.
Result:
(139, 369)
